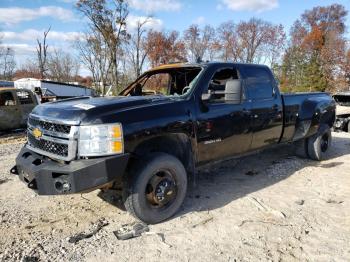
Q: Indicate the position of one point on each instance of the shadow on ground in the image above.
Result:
(219, 184)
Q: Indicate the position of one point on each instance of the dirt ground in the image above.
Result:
(272, 206)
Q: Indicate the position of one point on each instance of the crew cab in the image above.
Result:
(149, 140)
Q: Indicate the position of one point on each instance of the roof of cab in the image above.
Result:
(7, 88)
(174, 65)
(202, 64)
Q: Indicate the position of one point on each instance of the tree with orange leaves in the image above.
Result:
(164, 47)
(318, 36)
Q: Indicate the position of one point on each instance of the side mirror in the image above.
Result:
(233, 91)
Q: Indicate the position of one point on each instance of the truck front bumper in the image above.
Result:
(48, 177)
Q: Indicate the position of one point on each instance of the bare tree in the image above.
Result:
(28, 68)
(136, 47)
(41, 50)
(253, 37)
(7, 62)
(275, 46)
(62, 66)
(228, 42)
(94, 55)
(198, 41)
(254, 41)
(109, 19)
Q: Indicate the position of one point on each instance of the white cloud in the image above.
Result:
(33, 34)
(15, 15)
(150, 6)
(200, 20)
(21, 49)
(152, 23)
(248, 5)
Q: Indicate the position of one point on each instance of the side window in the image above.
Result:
(7, 99)
(157, 84)
(24, 97)
(258, 83)
(218, 82)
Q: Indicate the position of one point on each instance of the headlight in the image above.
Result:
(100, 140)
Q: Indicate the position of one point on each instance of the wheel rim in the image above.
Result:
(161, 189)
(324, 142)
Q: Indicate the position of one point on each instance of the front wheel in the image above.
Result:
(156, 188)
(319, 144)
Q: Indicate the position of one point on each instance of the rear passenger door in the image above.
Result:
(10, 114)
(266, 109)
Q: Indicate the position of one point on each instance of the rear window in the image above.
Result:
(24, 97)
(259, 83)
(343, 100)
(7, 99)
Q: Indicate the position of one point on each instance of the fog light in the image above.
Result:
(62, 186)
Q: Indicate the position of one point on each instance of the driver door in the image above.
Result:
(224, 129)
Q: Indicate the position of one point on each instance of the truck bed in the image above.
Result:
(300, 108)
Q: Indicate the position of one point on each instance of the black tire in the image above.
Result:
(157, 171)
(348, 124)
(300, 148)
(319, 144)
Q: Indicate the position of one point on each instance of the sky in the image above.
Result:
(23, 21)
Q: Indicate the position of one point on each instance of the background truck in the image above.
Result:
(148, 141)
(52, 90)
(342, 122)
(15, 106)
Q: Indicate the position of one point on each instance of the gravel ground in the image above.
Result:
(268, 207)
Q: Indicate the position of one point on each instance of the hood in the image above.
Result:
(77, 109)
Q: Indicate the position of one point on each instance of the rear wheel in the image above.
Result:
(156, 188)
(319, 144)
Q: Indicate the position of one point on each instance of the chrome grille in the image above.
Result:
(65, 129)
(54, 138)
(48, 146)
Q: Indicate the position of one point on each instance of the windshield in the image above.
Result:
(165, 82)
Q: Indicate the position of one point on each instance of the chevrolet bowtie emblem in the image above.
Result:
(37, 133)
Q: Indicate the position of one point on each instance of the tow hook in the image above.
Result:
(14, 170)
(32, 184)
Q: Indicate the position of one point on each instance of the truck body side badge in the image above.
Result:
(212, 141)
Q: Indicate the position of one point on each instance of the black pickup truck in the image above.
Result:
(149, 140)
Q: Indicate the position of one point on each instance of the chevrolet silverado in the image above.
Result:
(149, 140)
